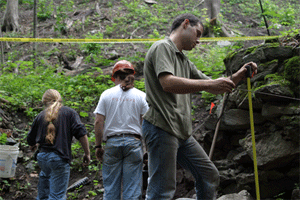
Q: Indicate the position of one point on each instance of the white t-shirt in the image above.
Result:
(122, 110)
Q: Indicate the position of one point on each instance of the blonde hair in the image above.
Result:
(53, 102)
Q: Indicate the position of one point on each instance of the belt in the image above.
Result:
(125, 134)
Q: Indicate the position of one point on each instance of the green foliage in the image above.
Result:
(92, 193)
(73, 195)
(215, 28)
(3, 138)
(64, 7)
(93, 168)
(45, 9)
(281, 15)
(209, 58)
(140, 85)
(136, 15)
(290, 32)
(75, 148)
(80, 92)
(92, 48)
(83, 114)
(233, 2)
(284, 15)
(138, 56)
(208, 97)
(194, 107)
(23, 1)
(155, 34)
(2, 3)
(95, 182)
(60, 24)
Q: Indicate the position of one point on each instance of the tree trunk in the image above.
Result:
(213, 10)
(2, 51)
(34, 32)
(11, 16)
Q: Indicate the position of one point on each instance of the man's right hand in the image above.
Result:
(99, 154)
(220, 85)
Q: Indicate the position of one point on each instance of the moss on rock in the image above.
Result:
(251, 49)
(275, 79)
(292, 69)
(230, 55)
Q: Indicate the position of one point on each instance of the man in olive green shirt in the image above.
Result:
(170, 78)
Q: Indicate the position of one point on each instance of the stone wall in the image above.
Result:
(276, 104)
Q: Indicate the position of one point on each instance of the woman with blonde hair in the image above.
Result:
(52, 130)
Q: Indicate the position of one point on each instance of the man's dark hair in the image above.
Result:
(123, 73)
(180, 18)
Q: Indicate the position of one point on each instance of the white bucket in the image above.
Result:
(8, 160)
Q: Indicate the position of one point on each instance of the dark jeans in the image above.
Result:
(164, 150)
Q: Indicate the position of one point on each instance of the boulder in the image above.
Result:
(234, 119)
(292, 69)
(275, 93)
(296, 194)
(242, 158)
(242, 195)
(271, 110)
(272, 150)
(265, 69)
(239, 119)
(258, 54)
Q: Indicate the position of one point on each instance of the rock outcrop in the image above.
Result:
(276, 104)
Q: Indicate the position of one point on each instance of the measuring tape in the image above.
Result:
(130, 40)
(252, 131)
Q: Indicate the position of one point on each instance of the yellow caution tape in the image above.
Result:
(129, 40)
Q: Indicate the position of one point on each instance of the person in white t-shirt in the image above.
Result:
(118, 122)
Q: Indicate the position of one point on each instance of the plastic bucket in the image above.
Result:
(8, 160)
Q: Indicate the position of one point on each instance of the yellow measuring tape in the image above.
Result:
(252, 132)
(129, 40)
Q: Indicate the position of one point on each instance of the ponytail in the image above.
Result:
(53, 102)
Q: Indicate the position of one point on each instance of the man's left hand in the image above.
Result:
(242, 72)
